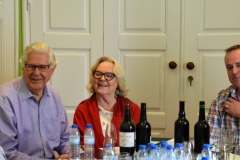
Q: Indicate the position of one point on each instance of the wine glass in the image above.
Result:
(214, 141)
(110, 135)
(237, 152)
(227, 142)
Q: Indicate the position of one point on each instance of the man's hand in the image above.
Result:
(232, 107)
(63, 156)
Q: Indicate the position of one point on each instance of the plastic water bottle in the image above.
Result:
(74, 140)
(206, 152)
(154, 155)
(108, 153)
(142, 153)
(169, 153)
(163, 142)
(89, 139)
(178, 151)
(162, 148)
(149, 147)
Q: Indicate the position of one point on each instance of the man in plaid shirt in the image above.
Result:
(225, 108)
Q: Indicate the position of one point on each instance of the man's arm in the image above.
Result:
(64, 146)
(8, 131)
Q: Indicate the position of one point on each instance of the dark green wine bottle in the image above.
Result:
(181, 126)
(201, 130)
(143, 128)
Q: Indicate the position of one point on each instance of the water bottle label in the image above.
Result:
(89, 140)
(108, 158)
(74, 140)
(126, 139)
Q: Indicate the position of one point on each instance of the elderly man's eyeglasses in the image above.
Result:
(41, 68)
(108, 75)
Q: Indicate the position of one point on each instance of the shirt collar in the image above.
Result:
(233, 91)
(24, 91)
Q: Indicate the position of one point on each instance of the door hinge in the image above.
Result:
(28, 4)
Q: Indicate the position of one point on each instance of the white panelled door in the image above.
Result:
(74, 29)
(144, 36)
(8, 39)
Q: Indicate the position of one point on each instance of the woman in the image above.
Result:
(106, 105)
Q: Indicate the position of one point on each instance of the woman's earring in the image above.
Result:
(117, 92)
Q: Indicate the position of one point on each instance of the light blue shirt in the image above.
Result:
(2, 155)
(31, 130)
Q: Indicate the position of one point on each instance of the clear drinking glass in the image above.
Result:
(110, 135)
(214, 141)
(123, 156)
(188, 150)
(227, 143)
(237, 152)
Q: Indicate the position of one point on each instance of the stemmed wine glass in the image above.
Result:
(110, 135)
(215, 140)
(227, 142)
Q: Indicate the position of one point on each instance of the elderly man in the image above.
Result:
(32, 117)
(225, 108)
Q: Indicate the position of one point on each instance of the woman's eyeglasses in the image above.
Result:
(108, 75)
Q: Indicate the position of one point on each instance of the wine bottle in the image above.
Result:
(201, 130)
(143, 129)
(181, 126)
(127, 131)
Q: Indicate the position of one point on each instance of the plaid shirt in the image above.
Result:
(217, 117)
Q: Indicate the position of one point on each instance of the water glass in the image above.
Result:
(188, 150)
(123, 156)
(110, 135)
(236, 155)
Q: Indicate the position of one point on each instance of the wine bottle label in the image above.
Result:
(89, 140)
(74, 140)
(126, 139)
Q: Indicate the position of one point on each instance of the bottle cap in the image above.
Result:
(143, 104)
(164, 144)
(74, 126)
(142, 147)
(207, 146)
(154, 147)
(178, 144)
(202, 102)
(163, 141)
(205, 158)
(169, 147)
(88, 125)
(150, 144)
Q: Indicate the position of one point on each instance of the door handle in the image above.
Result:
(190, 65)
(172, 65)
